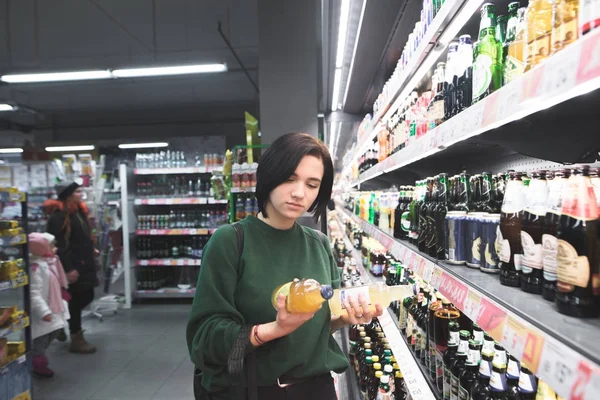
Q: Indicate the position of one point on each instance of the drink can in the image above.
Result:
(473, 239)
(455, 233)
(489, 256)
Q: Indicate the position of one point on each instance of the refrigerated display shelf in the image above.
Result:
(12, 195)
(165, 293)
(175, 232)
(177, 201)
(168, 262)
(243, 190)
(14, 283)
(570, 73)
(561, 350)
(175, 171)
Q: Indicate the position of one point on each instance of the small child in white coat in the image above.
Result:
(50, 311)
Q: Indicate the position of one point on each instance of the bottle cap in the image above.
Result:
(399, 374)
(388, 369)
(376, 365)
(380, 375)
(326, 291)
(375, 358)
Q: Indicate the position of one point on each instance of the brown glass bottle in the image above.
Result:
(442, 320)
(531, 233)
(449, 358)
(423, 213)
(578, 270)
(431, 244)
(509, 233)
(556, 183)
(434, 305)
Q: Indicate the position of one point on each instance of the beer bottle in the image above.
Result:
(459, 363)
(434, 305)
(441, 210)
(475, 199)
(556, 184)
(501, 21)
(481, 389)
(468, 376)
(464, 74)
(464, 193)
(539, 28)
(422, 325)
(383, 391)
(564, 24)
(435, 110)
(373, 381)
(512, 379)
(498, 382)
(450, 80)
(416, 213)
(478, 334)
(400, 391)
(423, 209)
(509, 233)
(578, 285)
(450, 357)
(531, 233)
(403, 318)
(432, 246)
(443, 318)
(487, 67)
(365, 370)
(487, 202)
(527, 387)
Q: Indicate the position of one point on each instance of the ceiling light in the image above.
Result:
(143, 145)
(343, 29)
(6, 107)
(11, 150)
(337, 77)
(162, 71)
(71, 148)
(360, 21)
(56, 76)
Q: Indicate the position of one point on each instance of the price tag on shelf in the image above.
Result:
(491, 318)
(151, 201)
(472, 304)
(558, 366)
(193, 231)
(143, 263)
(560, 72)
(589, 60)
(180, 263)
(169, 202)
(534, 343)
(137, 202)
(153, 232)
(587, 382)
(509, 101)
(436, 277)
(514, 337)
(454, 290)
(477, 112)
(428, 270)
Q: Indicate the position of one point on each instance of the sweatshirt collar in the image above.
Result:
(268, 230)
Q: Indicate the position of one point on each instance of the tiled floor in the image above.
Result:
(142, 355)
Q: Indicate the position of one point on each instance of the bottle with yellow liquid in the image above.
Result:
(564, 24)
(539, 31)
(307, 295)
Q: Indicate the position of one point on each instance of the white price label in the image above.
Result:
(152, 202)
(509, 102)
(193, 231)
(513, 337)
(144, 263)
(428, 271)
(137, 202)
(169, 201)
(557, 366)
(560, 74)
(180, 263)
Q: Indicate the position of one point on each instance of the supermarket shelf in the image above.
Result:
(175, 171)
(113, 202)
(413, 72)
(243, 190)
(14, 284)
(558, 348)
(12, 196)
(165, 293)
(416, 379)
(566, 75)
(13, 237)
(168, 262)
(15, 379)
(176, 201)
(175, 232)
(24, 323)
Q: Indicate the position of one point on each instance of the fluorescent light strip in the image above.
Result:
(360, 21)
(162, 71)
(56, 76)
(11, 150)
(142, 145)
(6, 107)
(70, 148)
(337, 77)
(343, 29)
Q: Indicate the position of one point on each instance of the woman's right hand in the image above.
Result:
(288, 322)
(72, 276)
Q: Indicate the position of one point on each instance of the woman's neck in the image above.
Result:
(275, 220)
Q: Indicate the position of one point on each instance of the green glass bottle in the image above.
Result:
(501, 26)
(488, 66)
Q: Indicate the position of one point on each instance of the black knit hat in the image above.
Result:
(64, 190)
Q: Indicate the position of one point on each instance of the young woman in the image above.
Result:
(68, 222)
(232, 314)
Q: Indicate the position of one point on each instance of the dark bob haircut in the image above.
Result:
(280, 161)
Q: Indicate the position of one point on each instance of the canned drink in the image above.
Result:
(489, 256)
(455, 233)
(473, 239)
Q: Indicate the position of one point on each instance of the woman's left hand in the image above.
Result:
(359, 311)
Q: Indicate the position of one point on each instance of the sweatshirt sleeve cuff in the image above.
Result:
(241, 347)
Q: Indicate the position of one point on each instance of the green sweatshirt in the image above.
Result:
(227, 298)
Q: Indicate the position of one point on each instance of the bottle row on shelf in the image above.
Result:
(245, 207)
(175, 248)
(177, 186)
(155, 278)
(508, 46)
(243, 176)
(181, 219)
(177, 159)
(537, 232)
(460, 360)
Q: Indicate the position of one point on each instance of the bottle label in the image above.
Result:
(447, 383)
(589, 14)
(573, 269)
(436, 112)
(502, 247)
(377, 269)
(482, 74)
(527, 383)
(455, 386)
(514, 199)
(384, 395)
(478, 336)
(462, 393)
(476, 251)
(485, 368)
(538, 48)
(550, 254)
(580, 201)
(498, 382)
(405, 221)
(454, 338)
(518, 261)
(513, 371)
(355, 292)
(566, 32)
(532, 253)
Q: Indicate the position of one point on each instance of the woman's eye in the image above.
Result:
(313, 186)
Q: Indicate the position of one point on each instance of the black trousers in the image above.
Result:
(318, 388)
(81, 296)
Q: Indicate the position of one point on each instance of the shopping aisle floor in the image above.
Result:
(142, 355)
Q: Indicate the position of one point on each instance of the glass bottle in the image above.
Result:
(514, 63)
(435, 111)
(445, 329)
(459, 363)
(487, 67)
(464, 74)
(468, 377)
(564, 24)
(578, 285)
(509, 231)
(589, 16)
(527, 387)
(451, 80)
(539, 30)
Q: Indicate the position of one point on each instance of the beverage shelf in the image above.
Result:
(12, 196)
(243, 190)
(175, 232)
(561, 350)
(168, 262)
(15, 379)
(12, 237)
(15, 283)
(413, 72)
(165, 293)
(569, 74)
(176, 201)
(175, 171)
(22, 324)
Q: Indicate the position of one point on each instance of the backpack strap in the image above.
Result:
(239, 232)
